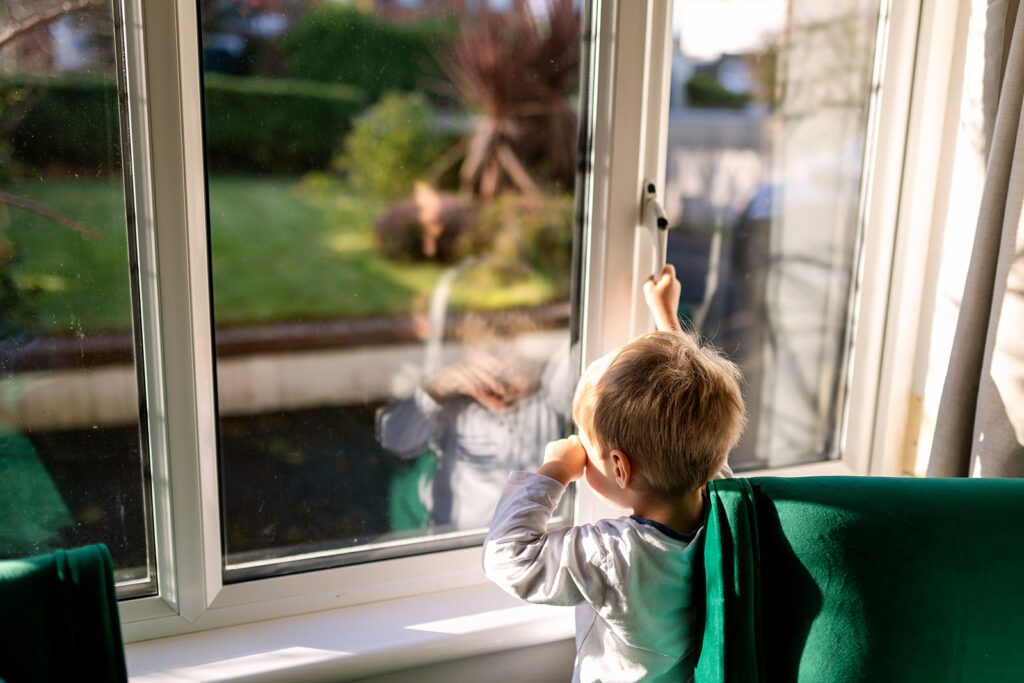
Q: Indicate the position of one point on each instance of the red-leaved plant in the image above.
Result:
(518, 71)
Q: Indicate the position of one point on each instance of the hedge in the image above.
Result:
(705, 91)
(63, 120)
(342, 44)
(276, 125)
(252, 124)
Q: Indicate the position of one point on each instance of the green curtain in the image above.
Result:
(864, 579)
(59, 619)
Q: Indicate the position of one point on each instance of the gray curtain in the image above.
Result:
(980, 425)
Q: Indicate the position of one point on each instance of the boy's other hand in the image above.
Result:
(564, 460)
(662, 297)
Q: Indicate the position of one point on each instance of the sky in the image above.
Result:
(709, 28)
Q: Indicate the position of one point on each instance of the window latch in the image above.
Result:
(655, 220)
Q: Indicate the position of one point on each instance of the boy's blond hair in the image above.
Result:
(673, 406)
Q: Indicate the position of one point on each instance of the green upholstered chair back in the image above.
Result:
(864, 579)
(58, 618)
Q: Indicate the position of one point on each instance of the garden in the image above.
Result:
(353, 159)
(350, 160)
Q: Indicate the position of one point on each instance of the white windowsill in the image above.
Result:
(353, 642)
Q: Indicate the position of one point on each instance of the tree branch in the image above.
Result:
(37, 208)
(444, 162)
(516, 171)
(48, 17)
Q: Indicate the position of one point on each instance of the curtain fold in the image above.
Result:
(980, 424)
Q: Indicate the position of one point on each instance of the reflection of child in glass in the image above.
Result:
(656, 419)
(490, 413)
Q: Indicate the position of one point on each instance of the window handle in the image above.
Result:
(655, 220)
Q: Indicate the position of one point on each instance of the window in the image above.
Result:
(391, 229)
(276, 282)
(74, 454)
(767, 130)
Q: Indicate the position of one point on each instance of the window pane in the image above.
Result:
(767, 126)
(391, 229)
(73, 469)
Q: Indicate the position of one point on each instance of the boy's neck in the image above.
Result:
(682, 514)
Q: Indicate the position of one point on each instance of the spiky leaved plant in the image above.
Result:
(518, 70)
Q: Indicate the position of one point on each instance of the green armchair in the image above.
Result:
(58, 618)
(839, 579)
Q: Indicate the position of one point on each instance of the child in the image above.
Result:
(482, 417)
(656, 421)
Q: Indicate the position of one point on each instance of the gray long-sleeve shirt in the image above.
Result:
(477, 446)
(631, 583)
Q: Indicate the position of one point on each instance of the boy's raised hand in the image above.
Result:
(662, 297)
(564, 460)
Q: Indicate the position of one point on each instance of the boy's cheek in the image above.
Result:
(600, 486)
(588, 447)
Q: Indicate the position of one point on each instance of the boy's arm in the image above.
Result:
(405, 427)
(662, 296)
(563, 567)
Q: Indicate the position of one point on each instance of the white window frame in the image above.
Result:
(906, 161)
(370, 608)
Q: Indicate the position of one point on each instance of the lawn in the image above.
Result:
(281, 250)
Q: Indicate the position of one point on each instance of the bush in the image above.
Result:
(19, 309)
(342, 44)
(705, 91)
(252, 124)
(71, 121)
(513, 232)
(391, 144)
(402, 235)
(275, 125)
(534, 231)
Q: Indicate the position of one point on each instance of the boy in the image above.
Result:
(491, 413)
(656, 421)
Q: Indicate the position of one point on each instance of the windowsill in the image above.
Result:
(354, 642)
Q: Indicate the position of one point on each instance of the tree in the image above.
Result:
(26, 16)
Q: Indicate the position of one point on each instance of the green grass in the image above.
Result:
(282, 251)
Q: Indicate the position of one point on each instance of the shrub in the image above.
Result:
(705, 91)
(516, 232)
(252, 124)
(19, 308)
(402, 234)
(518, 70)
(391, 144)
(70, 121)
(535, 231)
(275, 125)
(342, 44)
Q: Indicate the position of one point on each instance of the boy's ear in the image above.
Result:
(622, 468)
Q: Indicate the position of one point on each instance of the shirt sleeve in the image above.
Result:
(563, 567)
(405, 427)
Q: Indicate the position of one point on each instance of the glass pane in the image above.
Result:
(391, 229)
(767, 126)
(73, 469)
